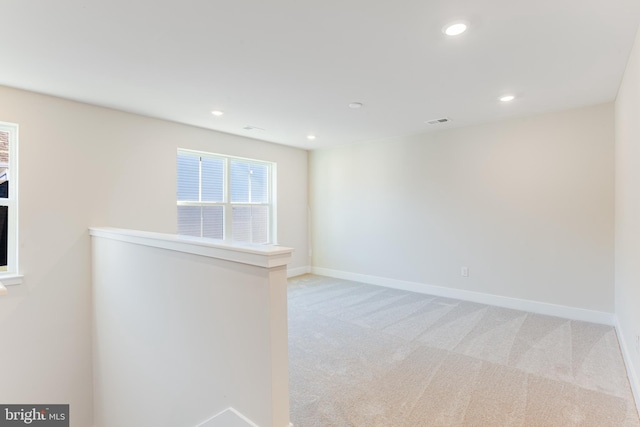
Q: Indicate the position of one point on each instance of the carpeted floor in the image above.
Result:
(363, 355)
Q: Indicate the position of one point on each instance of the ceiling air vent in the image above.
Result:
(249, 127)
(438, 121)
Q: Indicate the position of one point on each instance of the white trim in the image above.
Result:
(299, 271)
(229, 409)
(273, 198)
(9, 279)
(566, 312)
(238, 414)
(223, 156)
(12, 201)
(267, 256)
(626, 355)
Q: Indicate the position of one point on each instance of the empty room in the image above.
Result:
(312, 214)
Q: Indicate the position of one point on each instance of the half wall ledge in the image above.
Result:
(266, 256)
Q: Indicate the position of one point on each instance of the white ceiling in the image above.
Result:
(292, 66)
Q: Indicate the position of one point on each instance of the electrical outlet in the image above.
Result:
(464, 271)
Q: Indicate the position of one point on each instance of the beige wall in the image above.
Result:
(84, 166)
(526, 205)
(627, 287)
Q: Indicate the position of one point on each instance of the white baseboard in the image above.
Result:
(293, 272)
(566, 312)
(627, 356)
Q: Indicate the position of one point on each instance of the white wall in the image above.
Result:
(183, 332)
(84, 166)
(526, 204)
(627, 268)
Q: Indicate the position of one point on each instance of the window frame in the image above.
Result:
(11, 276)
(226, 203)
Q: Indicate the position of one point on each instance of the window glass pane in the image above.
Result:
(189, 220)
(213, 222)
(241, 224)
(188, 177)
(259, 175)
(259, 224)
(4, 165)
(212, 179)
(239, 182)
(251, 224)
(4, 232)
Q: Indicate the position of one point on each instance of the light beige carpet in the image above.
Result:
(362, 355)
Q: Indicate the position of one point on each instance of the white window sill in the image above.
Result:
(10, 279)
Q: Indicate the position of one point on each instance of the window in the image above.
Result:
(8, 199)
(228, 198)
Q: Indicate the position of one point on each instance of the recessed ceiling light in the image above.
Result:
(507, 98)
(455, 28)
(217, 112)
(356, 105)
(311, 137)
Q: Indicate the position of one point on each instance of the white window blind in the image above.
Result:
(226, 198)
